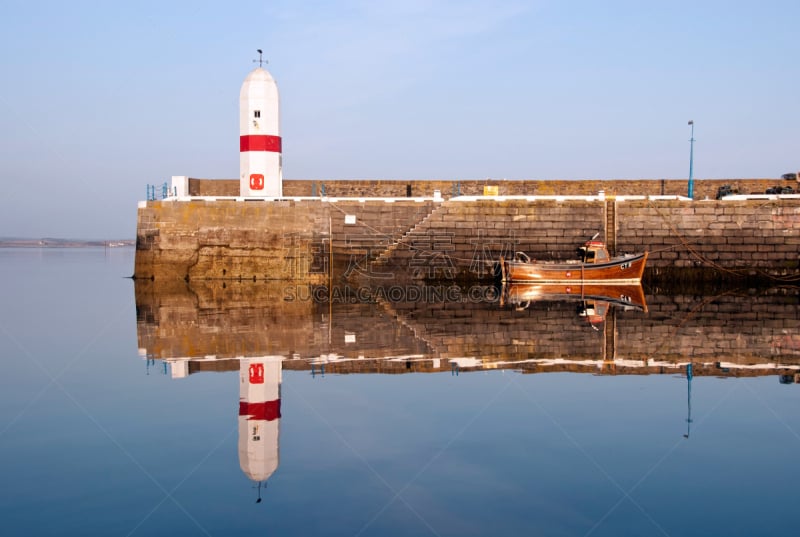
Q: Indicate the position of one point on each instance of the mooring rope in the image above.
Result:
(703, 259)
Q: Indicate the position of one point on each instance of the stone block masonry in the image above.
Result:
(703, 188)
(305, 240)
(745, 237)
(465, 238)
(321, 240)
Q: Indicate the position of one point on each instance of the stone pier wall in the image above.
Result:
(741, 236)
(703, 188)
(308, 240)
(323, 240)
(228, 239)
(464, 238)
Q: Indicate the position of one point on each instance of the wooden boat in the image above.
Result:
(593, 265)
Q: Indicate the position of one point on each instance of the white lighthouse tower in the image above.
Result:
(259, 416)
(259, 135)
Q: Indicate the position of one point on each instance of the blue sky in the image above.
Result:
(98, 99)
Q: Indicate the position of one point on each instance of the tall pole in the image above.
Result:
(691, 161)
(689, 375)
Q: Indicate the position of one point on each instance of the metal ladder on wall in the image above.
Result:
(611, 227)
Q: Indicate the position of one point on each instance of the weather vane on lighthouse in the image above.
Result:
(259, 60)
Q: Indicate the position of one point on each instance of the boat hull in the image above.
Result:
(615, 271)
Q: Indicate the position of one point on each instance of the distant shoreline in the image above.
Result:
(66, 243)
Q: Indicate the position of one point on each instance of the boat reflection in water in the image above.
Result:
(595, 299)
(623, 295)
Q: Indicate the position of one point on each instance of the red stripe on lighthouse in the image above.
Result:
(260, 142)
(269, 410)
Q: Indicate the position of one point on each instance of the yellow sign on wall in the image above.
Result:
(491, 190)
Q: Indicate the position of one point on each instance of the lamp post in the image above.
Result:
(691, 161)
(689, 375)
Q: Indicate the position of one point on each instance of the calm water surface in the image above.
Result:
(127, 412)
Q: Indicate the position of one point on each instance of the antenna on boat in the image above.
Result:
(595, 236)
(689, 376)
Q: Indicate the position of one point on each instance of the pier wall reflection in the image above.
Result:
(216, 321)
(211, 326)
(733, 326)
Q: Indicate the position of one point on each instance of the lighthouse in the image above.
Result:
(259, 136)
(259, 416)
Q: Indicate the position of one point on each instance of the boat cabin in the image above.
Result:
(593, 252)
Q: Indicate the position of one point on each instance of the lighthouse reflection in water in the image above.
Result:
(259, 417)
(259, 413)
